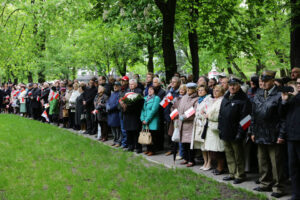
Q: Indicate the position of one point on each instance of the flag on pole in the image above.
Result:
(166, 100)
(45, 115)
(245, 123)
(174, 114)
(189, 112)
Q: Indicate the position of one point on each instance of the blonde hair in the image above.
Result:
(222, 90)
(101, 87)
(183, 87)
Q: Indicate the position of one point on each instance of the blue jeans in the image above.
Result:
(124, 134)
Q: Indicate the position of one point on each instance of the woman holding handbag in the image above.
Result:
(200, 125)
(150, 118)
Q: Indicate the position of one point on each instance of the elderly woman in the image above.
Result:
(186, 108)
(173, 124)
(100, 112)
(199, 126)
(80, 118)
(150, 118)
(212, 142)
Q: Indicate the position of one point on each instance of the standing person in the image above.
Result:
(102, 82)
(212, 143)
(224, 83)
(131, 118)
(80, 111)
(140, 85)
(186, 123)
(149, 79)
(150, 118)
(200, 120)
(234, 108)
(113, 117)
(54, 106)
(22, 100)
(100, 112)
(72, 105)
(88, 102)
(267, 132)
(124, 88)
(161, 93)
(291, 108)
(67, 105)
(28, 99)
(35, 102)
(169, 124)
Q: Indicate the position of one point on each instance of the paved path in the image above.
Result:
(167, 161)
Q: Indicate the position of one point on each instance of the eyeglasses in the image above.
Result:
(298, 83)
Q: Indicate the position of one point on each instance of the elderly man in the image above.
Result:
(295, 73)
(291, 108)
(131, 118)
(235, 107)
(224, 83)
(267, 132)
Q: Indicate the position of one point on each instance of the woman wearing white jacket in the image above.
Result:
(22, 100)
(198, 137)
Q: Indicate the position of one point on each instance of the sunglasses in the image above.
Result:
(298, 83)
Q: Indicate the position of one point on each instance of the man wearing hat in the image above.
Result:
(267, 131)
(235, 107)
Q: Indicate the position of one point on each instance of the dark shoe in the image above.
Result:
(190, 164)
(138, 151)
(238, 181)
(86, 133)
(130, 149)
(184, 162)
(277, 195)
(228, 178)
(261, 189)
(217, 172)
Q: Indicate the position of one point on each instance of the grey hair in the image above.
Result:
(133, 81)
(158, 80)
(176, 78)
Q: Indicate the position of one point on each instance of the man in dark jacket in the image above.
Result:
(88, 102)
(28, 100)
(267, 131)
(124, 88)
(291, 112)
(35, 102)
(235, 107)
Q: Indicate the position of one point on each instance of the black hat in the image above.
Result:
(267, 75)
(117, 83)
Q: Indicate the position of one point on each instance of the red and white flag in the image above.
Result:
(55, 96)
(245, 123)
(174, 114)
(189, 112)
(166, 100)
(38, 98)
(95, 112)
(22, 100)
(46, 105)
(45, 115)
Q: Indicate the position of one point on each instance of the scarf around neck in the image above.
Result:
(201, 99)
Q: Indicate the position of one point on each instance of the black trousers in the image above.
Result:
(71, 119)
(153, 147)
(132, 140)
(294, 166)
(36, 113)
(90, 121)
(188, 153)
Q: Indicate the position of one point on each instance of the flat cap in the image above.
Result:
(117, 83)
(267, 75)
(191, 85)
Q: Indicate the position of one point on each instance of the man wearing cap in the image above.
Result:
(124, 87)
(267, 131)
(235, 107)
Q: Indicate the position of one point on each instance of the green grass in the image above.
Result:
(40, 161)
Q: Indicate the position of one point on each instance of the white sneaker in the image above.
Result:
(201, 168)
(178, 158)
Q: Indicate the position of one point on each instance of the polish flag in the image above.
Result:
(16, 93)
(94, 112)
(46, 105)
(245, 123)
(166, 100)
(30, 93)
(22, 100)
(174, 114)
(38, 98)
(189, 112)
(45, 115)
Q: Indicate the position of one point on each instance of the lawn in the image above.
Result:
(40, 161)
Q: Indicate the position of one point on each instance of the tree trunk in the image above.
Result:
(295, 34)
(150, 65)
(193, 42)
(29, 77)
(259, 66)
(243, 76)
(229, 70)
(168, 8)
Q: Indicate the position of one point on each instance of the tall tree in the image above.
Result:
(295, 33)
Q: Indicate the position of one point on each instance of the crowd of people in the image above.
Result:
(227, 125)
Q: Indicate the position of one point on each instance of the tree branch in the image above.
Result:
(21, 33)
(2, 14)
(11, 15)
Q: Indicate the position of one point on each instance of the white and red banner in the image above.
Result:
(189, 112)
(55, 96)
(22, 100)
(166, 100)
(95, 112)
(45, 115)
(174, 114)
(245, 123)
